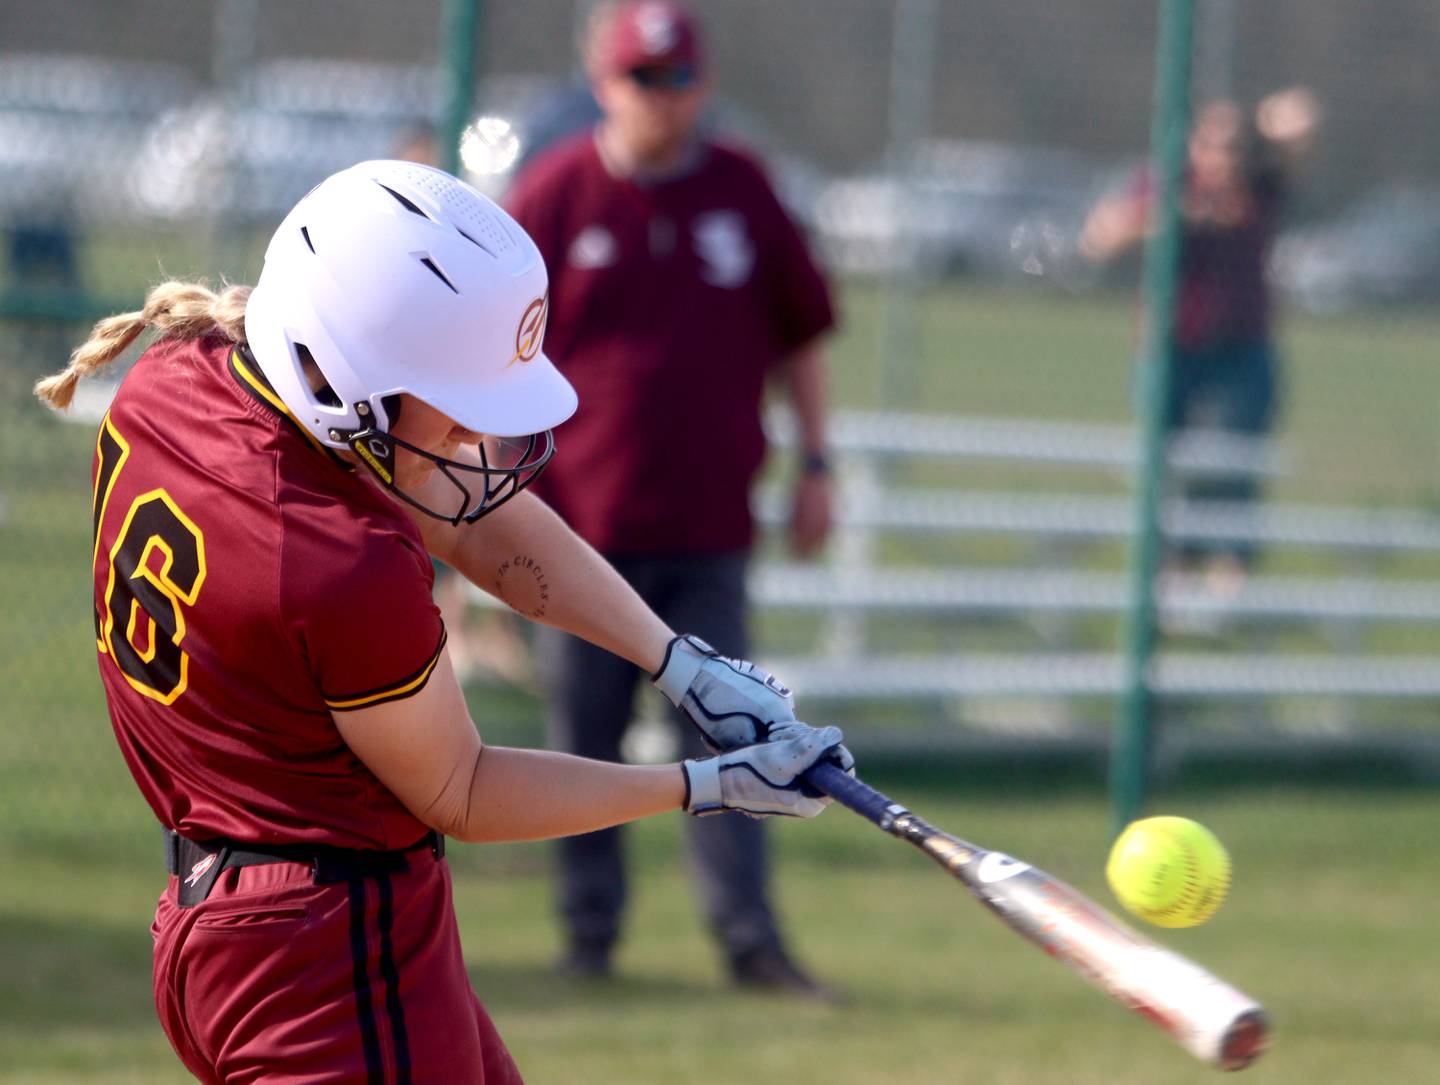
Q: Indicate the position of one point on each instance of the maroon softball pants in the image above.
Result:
(274, 978)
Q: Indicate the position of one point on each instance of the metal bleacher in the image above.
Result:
(1181, 674)
(1087, 517)
(898, 434)
(852, 586)
(984, 590)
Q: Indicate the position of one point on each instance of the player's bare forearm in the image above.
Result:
(426, 750)
(539, 794)
(531, 560)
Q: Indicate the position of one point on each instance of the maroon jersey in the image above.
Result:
(247, 584)
(669, 302)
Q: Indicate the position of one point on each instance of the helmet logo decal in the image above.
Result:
(531, 330)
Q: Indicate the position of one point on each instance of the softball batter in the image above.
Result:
(270, 485)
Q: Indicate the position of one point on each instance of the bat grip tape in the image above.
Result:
(848, 791)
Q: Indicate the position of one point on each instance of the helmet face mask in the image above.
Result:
(503, 467)
(394, 278)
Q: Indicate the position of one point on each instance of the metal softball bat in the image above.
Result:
(1212, 1020)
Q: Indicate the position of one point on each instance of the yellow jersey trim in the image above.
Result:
(405, 688)
(260, 388)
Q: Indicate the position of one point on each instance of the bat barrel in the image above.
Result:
(1212, 1020)
(1244, 1041)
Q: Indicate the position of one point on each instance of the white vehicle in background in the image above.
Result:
(961, 207)
(70, 127)
(247, 154)
(1382, 250)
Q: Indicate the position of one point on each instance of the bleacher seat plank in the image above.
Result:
(1209, 675)
(1076, 444)
(1098, 517)
(983, 590)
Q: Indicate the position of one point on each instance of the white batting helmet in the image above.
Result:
(393, 278)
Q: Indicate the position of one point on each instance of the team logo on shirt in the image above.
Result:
(531, 330)
(726, 253)
(593, 247)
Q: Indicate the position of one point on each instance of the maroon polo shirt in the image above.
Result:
(247, 584)
(670, 302)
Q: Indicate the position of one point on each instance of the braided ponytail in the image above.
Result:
(182, 310)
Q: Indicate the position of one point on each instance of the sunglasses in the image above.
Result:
(665, 77)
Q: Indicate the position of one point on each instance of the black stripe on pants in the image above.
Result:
(360, 957)
(391, 975)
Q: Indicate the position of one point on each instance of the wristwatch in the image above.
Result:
(816, 463)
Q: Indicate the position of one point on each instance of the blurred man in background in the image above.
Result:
(679, 287)
(1225, 376)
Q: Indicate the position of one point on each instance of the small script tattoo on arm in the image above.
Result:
(522, 584)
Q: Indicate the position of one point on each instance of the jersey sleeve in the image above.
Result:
(362, 608)
(801, 303)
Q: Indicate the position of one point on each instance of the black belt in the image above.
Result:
(198, 863)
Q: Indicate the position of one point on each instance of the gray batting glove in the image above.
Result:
(760, 781)
(782, 732)
(732, 701)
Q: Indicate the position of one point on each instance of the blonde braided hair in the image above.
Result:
(178, 309)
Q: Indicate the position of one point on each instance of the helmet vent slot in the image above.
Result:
(409, 205)
(392, 406)
(305, 233)
(478, 244)
(324, 394)
(438, 273)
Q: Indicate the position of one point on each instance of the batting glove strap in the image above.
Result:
(683, 657)
(702, 786)
(731, 701)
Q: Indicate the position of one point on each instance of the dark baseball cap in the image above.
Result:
(645, 34)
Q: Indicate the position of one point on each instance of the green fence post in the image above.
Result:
(459, 31)
(1169, 129)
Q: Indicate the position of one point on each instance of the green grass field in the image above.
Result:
(1329, 921)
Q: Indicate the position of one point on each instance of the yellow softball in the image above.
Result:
(1169, 871)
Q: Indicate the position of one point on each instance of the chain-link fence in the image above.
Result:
(973, 175)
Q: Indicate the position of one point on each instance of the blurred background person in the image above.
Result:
(679, 288)
(43, 247)
(1240, 173)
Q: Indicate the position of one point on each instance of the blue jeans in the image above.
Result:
(1232, 387)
